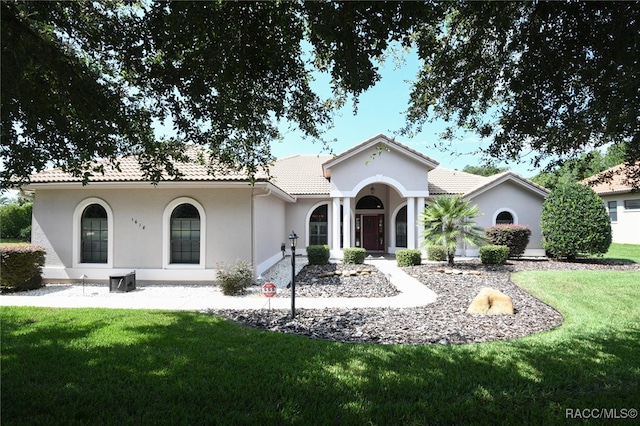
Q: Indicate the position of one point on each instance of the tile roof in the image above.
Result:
(619, 181)
(301, 174)
(447, 181)
(130, 172)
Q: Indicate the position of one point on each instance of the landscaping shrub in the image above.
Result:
(21, 267)
(318, 255)
(15, 221)
(436, 253)
(494, 254)
(574, 221)
(235, 279)
(354, 255)
(516, 237)
(408, 257)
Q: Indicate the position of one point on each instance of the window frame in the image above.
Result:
(635, 200)
(166, 235)
(613, 212)
(503, 210)
(77, 234)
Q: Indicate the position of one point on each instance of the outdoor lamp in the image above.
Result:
(292, 239)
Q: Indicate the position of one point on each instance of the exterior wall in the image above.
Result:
(525, 206)
(269, 231)
(384, 166)
(138, 227)
(625, 230)
(297, 220)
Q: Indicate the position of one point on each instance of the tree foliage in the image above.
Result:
(485, 170)
(574, 221)
(15, 221)
(547, 77)
(582, 167)
(448, 221)
(82, 80)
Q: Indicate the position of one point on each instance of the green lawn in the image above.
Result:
(626, 252)
(97, 366)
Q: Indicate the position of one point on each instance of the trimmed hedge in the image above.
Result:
(354, 255)
(494, 255)
(318, 255)
(236, 278)
(21, 267)
(516, 237)
(574, 222)
(436, 253)
(408, 257)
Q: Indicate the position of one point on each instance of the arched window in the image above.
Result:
(401, 227)
(94, 235)
(185, 234)
(504, 218)
(318, 226)
(370, 202)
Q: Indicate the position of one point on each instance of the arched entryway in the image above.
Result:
(370, 223)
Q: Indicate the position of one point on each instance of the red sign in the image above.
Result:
(269, 289)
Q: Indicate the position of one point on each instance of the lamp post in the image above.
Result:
(292, 239)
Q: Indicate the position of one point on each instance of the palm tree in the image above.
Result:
(449, 220)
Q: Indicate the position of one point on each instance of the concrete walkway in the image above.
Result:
(199, 297)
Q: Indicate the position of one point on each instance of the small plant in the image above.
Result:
(354, 255)
(318, 255)
(516, 237)
(408, 257)
(21, 267)
(436, 253)
(235, 279)
(494, 255)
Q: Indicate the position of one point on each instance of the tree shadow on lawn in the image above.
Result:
(188, 368)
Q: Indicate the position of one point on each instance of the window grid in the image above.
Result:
(94, 237)
(401, 227)
(613, 211)
(185, 235)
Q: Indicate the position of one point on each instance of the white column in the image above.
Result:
(411, 222)
(419, 227)
(346, 222)
(335, 228)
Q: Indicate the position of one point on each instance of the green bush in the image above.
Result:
(354, 255)
(574, 221)
(21, 267)
(436, 253)
(235, 279)
(516, 237)
(408, 257)
(15, 221)
(318, 255)
(494, 254)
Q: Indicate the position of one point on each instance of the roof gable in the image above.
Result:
(380, 139)
(497, 179)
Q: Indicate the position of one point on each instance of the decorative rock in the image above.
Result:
(490, 301)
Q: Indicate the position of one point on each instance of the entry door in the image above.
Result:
(373, 232)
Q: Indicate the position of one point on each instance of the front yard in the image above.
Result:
(100, 366)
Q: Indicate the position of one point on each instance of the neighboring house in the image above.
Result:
(622, 203)
(369, 196)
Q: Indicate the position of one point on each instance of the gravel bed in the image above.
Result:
(353, 281)
(443, 322)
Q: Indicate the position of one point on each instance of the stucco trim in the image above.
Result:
(77, 225)
(166, 234)
(379, 179)
(505, 209)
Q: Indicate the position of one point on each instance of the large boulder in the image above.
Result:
(490, 301)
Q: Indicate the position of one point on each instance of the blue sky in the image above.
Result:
(381, 110)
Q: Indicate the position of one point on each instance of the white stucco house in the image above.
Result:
(622, 203)
(369, 196)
